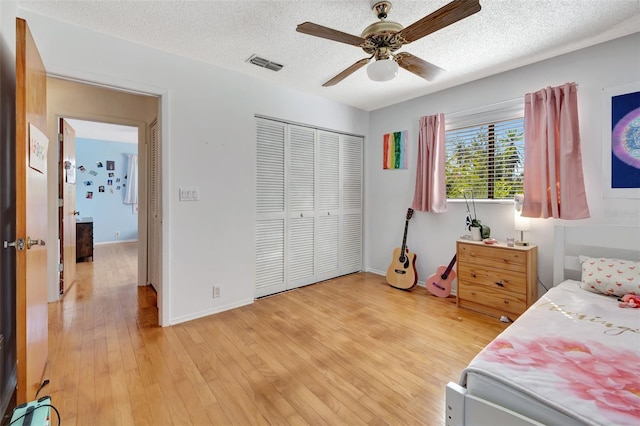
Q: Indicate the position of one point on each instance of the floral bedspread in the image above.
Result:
(575, 351)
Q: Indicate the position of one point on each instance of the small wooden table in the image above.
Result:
(84, 239)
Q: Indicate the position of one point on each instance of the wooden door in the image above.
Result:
(31, 214)
(67, 211)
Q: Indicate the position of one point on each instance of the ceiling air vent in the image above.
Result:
(264, 63)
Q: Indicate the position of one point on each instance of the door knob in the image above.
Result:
(76, 213)
(35, 242)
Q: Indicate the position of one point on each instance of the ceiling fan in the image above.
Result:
(381, 39)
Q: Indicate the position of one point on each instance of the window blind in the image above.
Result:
(486, 159)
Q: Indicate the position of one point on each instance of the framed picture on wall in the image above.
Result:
(38, 146)
(111, 165)
(70, 172)
(394, 150)
(621, 141)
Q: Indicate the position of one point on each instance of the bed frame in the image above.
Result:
(614, 241)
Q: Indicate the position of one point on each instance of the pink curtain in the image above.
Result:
(430, 192)
(553, 179)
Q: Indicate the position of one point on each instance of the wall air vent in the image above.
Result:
(264, 63)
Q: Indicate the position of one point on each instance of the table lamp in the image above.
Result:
(520, 223)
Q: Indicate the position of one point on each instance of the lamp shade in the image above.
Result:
(382, 70)
(520, 223)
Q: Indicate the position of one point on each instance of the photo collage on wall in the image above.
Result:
(105, 179)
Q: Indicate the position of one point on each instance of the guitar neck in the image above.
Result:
(404, 238)
(449, 268)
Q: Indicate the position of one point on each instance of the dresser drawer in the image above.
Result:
(495, 279)
(502, 279)
(493, 298)
(492, 257)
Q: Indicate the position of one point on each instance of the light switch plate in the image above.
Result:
(189, 194)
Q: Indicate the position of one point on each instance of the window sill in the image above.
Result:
(480, 201)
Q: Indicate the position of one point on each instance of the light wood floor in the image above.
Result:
(350, 351)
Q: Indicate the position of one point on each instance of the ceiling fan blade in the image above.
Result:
(443, 17)
(329, 33)
(346, 73)
(418, 66)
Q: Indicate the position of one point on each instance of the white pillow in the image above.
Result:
(614, 277)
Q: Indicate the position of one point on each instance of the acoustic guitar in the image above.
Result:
(402, 270)
(439, 284)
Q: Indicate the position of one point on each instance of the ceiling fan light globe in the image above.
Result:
(382, 70)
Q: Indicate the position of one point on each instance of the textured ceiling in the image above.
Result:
(504, 35)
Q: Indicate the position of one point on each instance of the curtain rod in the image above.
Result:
(490, 107)
(485, 108)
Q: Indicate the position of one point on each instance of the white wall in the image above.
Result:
(208, 141)
(390, 192)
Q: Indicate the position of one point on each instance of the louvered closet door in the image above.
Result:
(154, 213)
(309, 206)
(328, 213)
(270, 207)
(301, 202)
(351, 214)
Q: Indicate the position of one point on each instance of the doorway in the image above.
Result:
(105, 208)
(88, 102)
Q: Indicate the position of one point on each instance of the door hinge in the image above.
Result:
(60, 267)
(60, 137)
(60, 202)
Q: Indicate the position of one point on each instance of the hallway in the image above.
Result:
(96, 338)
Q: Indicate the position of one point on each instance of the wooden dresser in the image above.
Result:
(84, 239)
(495, 279)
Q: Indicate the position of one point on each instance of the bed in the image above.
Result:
(573, 358)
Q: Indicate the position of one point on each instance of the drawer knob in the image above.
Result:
(499, 283)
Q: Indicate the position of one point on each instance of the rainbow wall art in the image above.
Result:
(395, 150)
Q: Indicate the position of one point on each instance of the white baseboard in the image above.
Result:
(207, 312)
(114, 242)
(419, 283)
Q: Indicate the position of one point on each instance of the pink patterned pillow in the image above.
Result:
(614, 277)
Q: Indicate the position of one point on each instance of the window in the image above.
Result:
(485, 158)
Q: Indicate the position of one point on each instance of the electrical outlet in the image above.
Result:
(216, 291)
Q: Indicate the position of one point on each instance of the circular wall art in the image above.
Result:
(625, 139)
